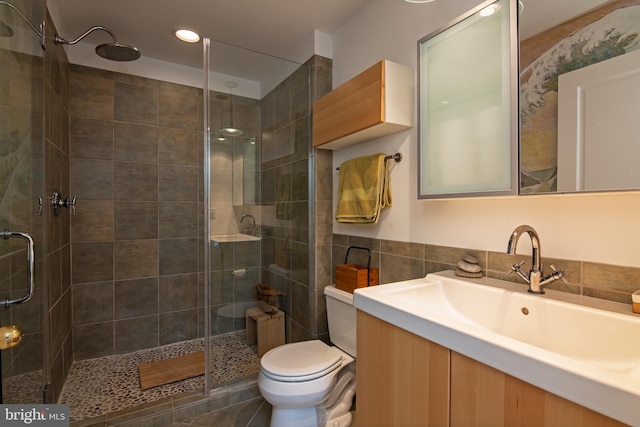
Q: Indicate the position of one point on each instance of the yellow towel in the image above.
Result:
(363, 190)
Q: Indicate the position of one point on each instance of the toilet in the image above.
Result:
(310, 383)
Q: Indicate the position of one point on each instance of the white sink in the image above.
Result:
(566, 344)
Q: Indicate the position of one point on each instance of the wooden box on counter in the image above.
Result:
(349, 277)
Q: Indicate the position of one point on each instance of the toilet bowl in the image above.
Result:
(310, 383)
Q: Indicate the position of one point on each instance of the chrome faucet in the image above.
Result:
(534, 277)
(254, 226)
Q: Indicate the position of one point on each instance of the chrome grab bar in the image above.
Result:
(6, 234)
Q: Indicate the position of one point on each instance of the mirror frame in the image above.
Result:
(509, 136)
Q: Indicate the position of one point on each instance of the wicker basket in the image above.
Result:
(269, 295)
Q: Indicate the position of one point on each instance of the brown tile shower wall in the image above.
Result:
(136, 168)
(322, 239)
(136, 171)
(399, 261)
(58, 247)
(289, 197)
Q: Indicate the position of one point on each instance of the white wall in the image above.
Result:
(597, 227)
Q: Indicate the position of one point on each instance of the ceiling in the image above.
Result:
(246, 34)
(272, 27)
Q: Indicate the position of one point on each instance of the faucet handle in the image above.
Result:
(515, 267)
(559, 274)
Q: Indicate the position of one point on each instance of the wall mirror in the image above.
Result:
(579, 92)
(468, 79)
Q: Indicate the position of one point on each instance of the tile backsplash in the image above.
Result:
(399, 261)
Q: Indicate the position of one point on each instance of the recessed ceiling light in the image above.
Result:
(418, 1)
(187, 35)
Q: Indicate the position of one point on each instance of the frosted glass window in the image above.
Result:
(468, 116)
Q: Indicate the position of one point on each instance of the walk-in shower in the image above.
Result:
(123, 282)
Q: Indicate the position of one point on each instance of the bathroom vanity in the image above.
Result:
(406, 380)
(437, 351)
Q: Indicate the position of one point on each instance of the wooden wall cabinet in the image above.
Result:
(377, 102)
(404, 380)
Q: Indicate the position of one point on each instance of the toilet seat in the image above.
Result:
(301, 361)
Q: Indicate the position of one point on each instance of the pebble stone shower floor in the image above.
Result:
(104, 385)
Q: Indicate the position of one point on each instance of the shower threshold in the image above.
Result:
(109, 384)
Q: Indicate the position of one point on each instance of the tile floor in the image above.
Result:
(23, 388)
(107, 385)
(105, 392)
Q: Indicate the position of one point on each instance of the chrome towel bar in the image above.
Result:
(397, 157)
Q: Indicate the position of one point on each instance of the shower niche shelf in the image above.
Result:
(375, 103)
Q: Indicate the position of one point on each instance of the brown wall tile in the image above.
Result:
(135, 143)
(178, 326)
(395, 268)
(94, 222)
(135, 181)
(135, 220)
(91, 93)
(92, 179)
(178, 183)
(178, 256)
(92, 303)
(178, 292)
(135, 104)
(300, 307)
(179, 146)
(91, 138)
(608, 282)
(135, 259)
(136, 333)
(612, 278)
(178, 106)
(92, 262)
(134, 298)
(178, 219)
(94, 340)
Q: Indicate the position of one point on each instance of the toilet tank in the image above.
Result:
(341, 315)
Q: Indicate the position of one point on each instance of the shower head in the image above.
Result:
(118, 52)
(113, 51)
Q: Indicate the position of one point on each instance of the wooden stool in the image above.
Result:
(267, 330)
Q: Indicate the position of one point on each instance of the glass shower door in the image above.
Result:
(22, 339)
(251, 122)
(232, 218)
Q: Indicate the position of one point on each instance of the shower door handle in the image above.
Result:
(6, 234)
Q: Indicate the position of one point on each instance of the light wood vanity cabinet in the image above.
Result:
(406, 380)
(401, 379)
(377, 102)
